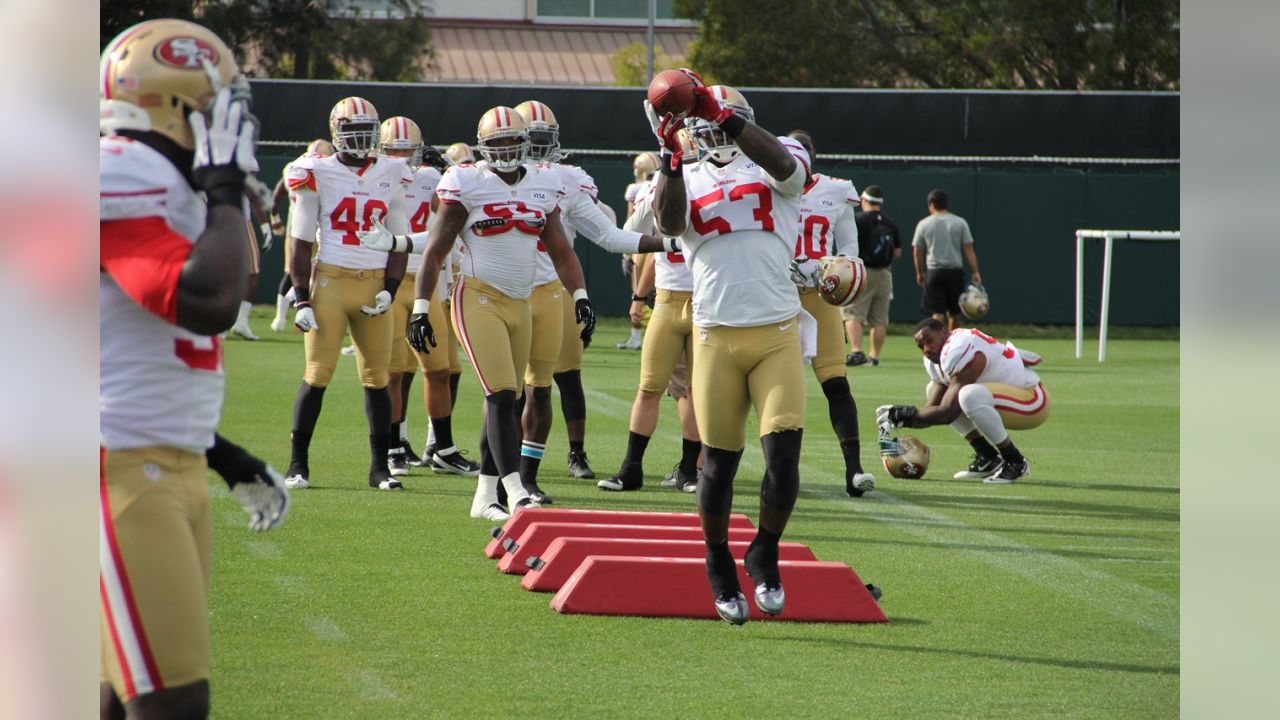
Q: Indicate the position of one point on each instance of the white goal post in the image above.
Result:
(1108, 237)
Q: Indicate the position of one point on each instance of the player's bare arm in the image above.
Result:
(917, 256)
(213, 279)
(300, 262)
(948, 409)
(670, 204)
(971, 256)
(562, 255)
(450, 220)
(765, 149)
(644, 285)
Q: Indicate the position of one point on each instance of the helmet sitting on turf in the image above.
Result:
(904, 457)
(841, 279)
(353, 123)
(715, 142)
(400, 137)
(544, 131)
(974, 302)
(166, 69)
(497, 128)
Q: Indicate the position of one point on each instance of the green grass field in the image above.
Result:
(1053, 597)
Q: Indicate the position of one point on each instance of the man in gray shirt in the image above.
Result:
(942, 244)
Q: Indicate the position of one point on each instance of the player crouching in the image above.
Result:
(982, 388)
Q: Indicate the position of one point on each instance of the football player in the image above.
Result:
(736, 211)
(257, 204)
(643, 166)
(665, 353)
(281, 198)
(337, 196)
(827, 228)
(173, 272)
(402, 138)
(982, 388)
(556, 350)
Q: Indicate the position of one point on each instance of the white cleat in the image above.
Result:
(390, 484)
(296, 482)
(629, 344)
(349, 350)
(862, 483)
(769, 601)
(279, 324)
(493, 512)
(244, 331)
(733, 610)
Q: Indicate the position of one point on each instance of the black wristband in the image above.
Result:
(301, 294)
(639, 298)
(391, 285)
(222, 185)
(223, 458)
(665, 165)
(733, 125)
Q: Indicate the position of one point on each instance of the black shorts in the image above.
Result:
(942, 288)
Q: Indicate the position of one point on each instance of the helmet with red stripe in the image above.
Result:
(459, 153)
(974, 302)
(841, 279)
(904, 457)
(544, 131)
(502, 138)
(401, 137)
(353, 123)
(715, 142)
(158, 72)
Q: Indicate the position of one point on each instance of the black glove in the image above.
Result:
(431, 157)
(586, 316)
(902, 415)
(420, 333)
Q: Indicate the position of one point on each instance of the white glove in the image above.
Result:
(381, 303)
(305, 319)
(882, 418)
(268, 238)
(227, 137)
(264, 498)
(379, 238)
(806, 272)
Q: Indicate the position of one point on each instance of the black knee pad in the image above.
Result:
(715, 485)
(781, 484)
(573, 402)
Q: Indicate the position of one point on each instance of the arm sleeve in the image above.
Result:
(594, 225)
(641, 219)
(794, 184)
(844, 236)
(144, 256)
(304, 213)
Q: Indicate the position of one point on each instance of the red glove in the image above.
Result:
(708, 107)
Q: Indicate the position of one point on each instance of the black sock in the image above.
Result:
(377, 408)
(762, 558)
(722, 571)
(983, 447)
(301, 444)
(444, 431)
(286, 284)
(378, 448)
(636, 444)
(529, 468)
(393, 436)
(454, 379)
(306, 411)
(844, 420)
(577, 446)
(502, 432)
(691, 449)
(1011, 454)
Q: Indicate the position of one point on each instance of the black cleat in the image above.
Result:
(380, 479)
(983, 466)
(397, 463)
(1010, 472)
(630, 477)
(579, 467)
(855, 358)
(427, 453)
(410, 456)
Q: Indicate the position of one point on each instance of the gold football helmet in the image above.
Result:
(690, 148)
(841, 279)
(168, 69)
(904, 457)
(645, 165)
(353, 124)
(544, 131)
(974, 302)
(498, 124)
(459, 153)
(401, 137)
(320, 147)
(714, 141)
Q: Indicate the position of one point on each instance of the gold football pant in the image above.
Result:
(155, 557)
(736, 368)
(547, 307)
(495, 331)
(337, 294)
(404, 358)
(670, 333)
(570, 337)
(455, 362)
(829, 362)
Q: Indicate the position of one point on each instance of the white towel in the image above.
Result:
(808, 336)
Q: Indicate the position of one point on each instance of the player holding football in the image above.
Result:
(173, 271)
(337, 196)
(827, 228)
(737, 213)
(982, 388)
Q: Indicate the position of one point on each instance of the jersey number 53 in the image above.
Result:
(713, 214)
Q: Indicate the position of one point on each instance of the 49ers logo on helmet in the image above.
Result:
(829, 284)
(185, 52)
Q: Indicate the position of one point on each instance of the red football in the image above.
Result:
(671, 91)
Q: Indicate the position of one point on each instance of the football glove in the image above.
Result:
(379, 238)
(708, 107)
(381, 303)
(224, 149)
(255, 485)
(268, 237)
(806, 272)
(431, 157)
(305, 318)
(889, 417)
(421, 335)
(586, 316)
(665, 129)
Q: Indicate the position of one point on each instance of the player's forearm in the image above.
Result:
(424, 283)
(917, 256)
(216, 274)
(568, 270)
(670, 204)
(644, 284)
(758, 144)
(943, 414)
(300, 264)
(972, 258)
(397, 262)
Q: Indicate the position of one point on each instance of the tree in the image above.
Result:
(1052, 44)
(320, 39)
(631, 64)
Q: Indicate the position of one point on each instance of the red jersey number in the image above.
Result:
(209, 359)
(343, 218)
(761, 215)
(1008, 351)
(418, 221)
(813, 237)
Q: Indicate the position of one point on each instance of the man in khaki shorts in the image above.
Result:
(878, 245)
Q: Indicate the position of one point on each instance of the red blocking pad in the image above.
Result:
(516, 524)
(538, 536)
(678, 587)
(552, 569)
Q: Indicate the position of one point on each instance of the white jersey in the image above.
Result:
(739, 241)
(635, 191)
(348, 201)
(1004, 361)
(160, 385)
(670, 271)
(579, 213)
(504, 222)
(417, 196)
(827, 224)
